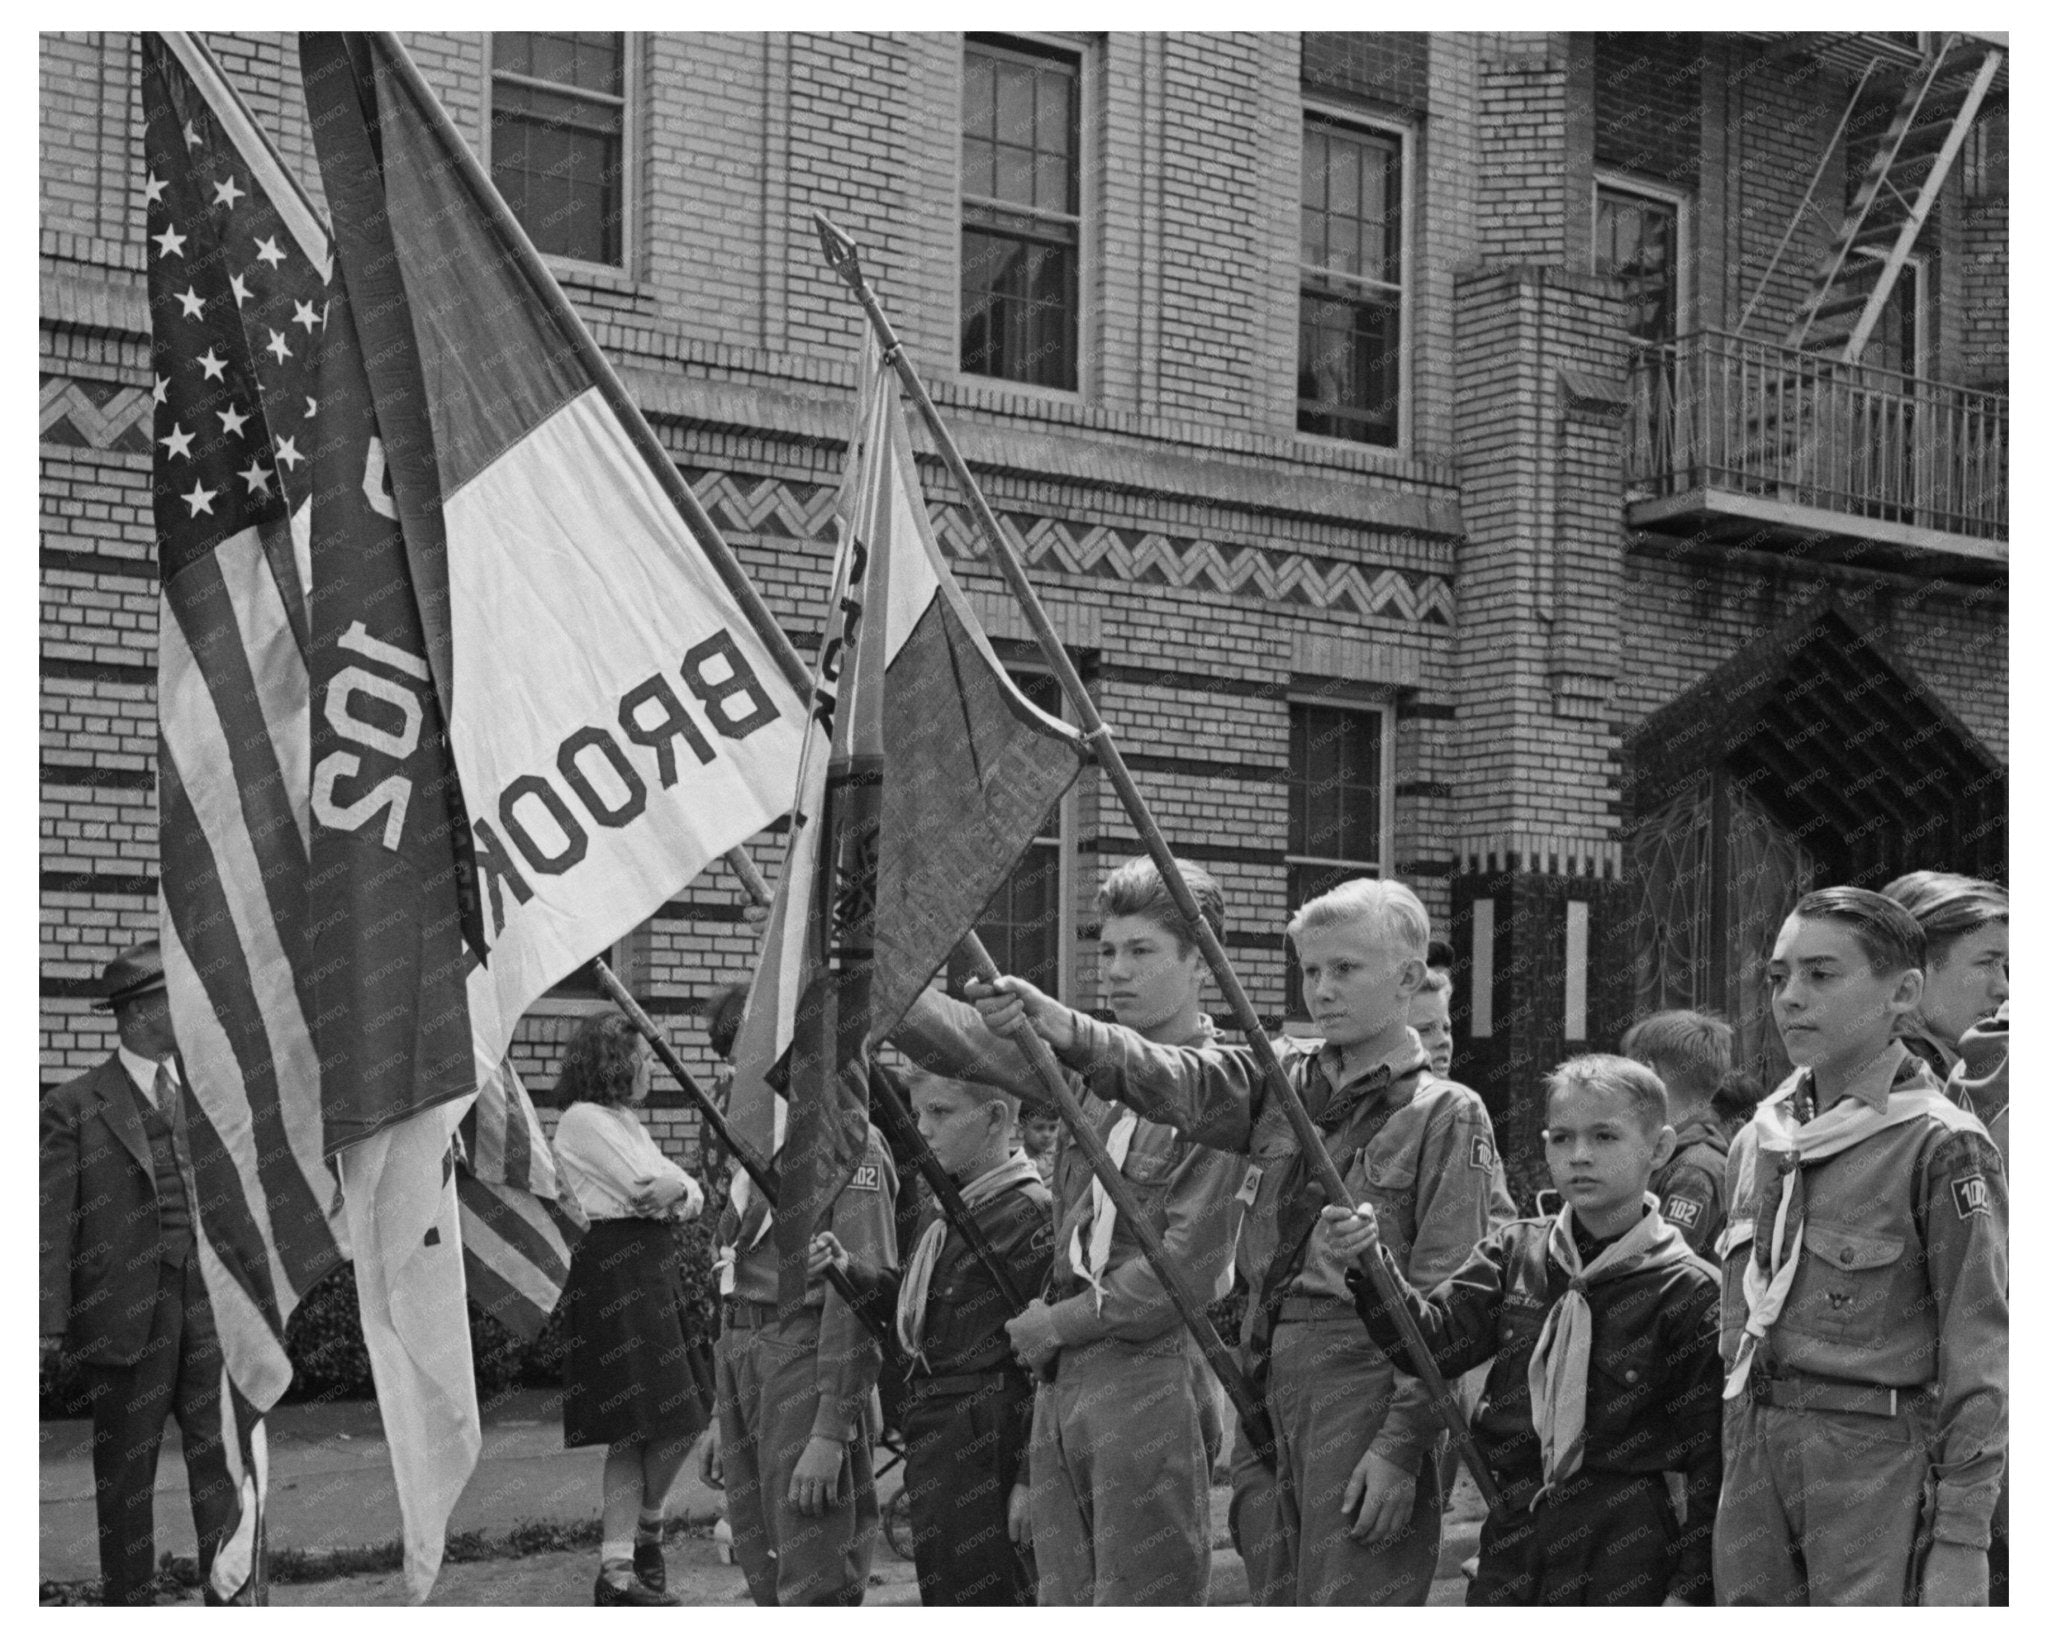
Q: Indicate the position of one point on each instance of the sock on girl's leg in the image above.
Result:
(651, 1524)
(618, 1562)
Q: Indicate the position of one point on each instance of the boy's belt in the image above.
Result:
(742, 1315)
(1318, 1308)
(1795, 1390)
(960, 1382)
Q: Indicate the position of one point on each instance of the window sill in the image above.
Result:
(594, 276)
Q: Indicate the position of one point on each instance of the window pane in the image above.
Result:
(1636, 244)
(1019, 268)
(977, 167)
(558, 156)
(512, 52)
(1349, 368)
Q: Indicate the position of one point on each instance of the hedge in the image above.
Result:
(329, 1361)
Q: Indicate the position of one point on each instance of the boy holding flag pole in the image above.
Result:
(1285, 1101)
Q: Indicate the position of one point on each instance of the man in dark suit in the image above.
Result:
(120, 1288)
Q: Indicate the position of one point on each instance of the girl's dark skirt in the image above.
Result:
(631, 1371)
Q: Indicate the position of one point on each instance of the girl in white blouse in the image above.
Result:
(627, 1382)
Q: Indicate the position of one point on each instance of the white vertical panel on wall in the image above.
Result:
(1576, 917)
(1482, 967)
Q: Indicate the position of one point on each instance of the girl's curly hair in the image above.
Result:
(599, 1063)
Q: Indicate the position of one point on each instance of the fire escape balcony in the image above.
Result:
(1746, 442)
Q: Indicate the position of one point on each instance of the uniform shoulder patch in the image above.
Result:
(1682, 1213)
(1042, 1240)
(1480, 1155)
(868, 1177)
(1972, 1195)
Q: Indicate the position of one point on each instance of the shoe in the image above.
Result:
(649, 1565)
(634, 1592)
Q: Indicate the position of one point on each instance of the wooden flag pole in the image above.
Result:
(844, 256)
(764, 1180)
(943, 1188)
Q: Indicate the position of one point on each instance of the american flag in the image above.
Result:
(237, 271)
(519, 1224)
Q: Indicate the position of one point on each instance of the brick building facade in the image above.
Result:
(1326, 381)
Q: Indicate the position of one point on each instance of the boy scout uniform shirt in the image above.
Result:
(1653, 1384)
(964, 1310)
(1902, 1281)
(1184, 1188)
(1689, 1188)
(849, 1358)
(1430, 1173)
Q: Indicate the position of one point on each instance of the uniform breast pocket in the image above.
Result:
(1628, 1373)
(1848, 1279)
(1152, 1169)
(1387, 1184)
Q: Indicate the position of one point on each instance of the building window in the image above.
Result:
(558, 140)
(1025, 924)
(1351, 261)
(1636, 243)
(1339, 786)
(1020, 214)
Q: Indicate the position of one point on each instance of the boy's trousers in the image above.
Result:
(1120, 1476)
(767, 1397)
(1328, 1392)
(1819, 1507)
(1604, 1538)
(1255, 1528)
(964, 1440)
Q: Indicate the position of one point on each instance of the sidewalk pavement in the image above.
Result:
(330, 1488)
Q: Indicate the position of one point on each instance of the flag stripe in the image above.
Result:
(251, 1338)
(207, 684)
(242, 967)
(522, 1222)
(277, 667)
(235, 1233)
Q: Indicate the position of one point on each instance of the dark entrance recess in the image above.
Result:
(1812, 758)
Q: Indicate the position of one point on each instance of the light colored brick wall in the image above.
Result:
(1186, 541)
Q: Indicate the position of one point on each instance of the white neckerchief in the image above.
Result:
(1847, 1123)
(917, 1276)
(1089, 1262)
(725, 1258)
(1564, 1347)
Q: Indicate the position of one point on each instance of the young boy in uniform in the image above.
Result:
(1601, 1421)
(1690, 1052)
(1358, 1509)
(792, 1441)
(967, 1417)
(1123, 1431)
(1863, 1307)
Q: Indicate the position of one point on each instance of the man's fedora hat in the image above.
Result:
(131, 975)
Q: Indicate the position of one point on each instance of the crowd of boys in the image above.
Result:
(1748, 1352)
(1735, 1358)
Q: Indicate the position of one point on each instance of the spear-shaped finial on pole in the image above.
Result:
(840, 251)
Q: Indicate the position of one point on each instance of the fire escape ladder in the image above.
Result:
(1899, 187)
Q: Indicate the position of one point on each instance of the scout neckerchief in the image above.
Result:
(1557, 1368)
(1090, 1261)
(1798, 1142)
(752, 1213)
(917, 1276)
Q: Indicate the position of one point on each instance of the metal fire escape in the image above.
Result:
(1904, 177)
